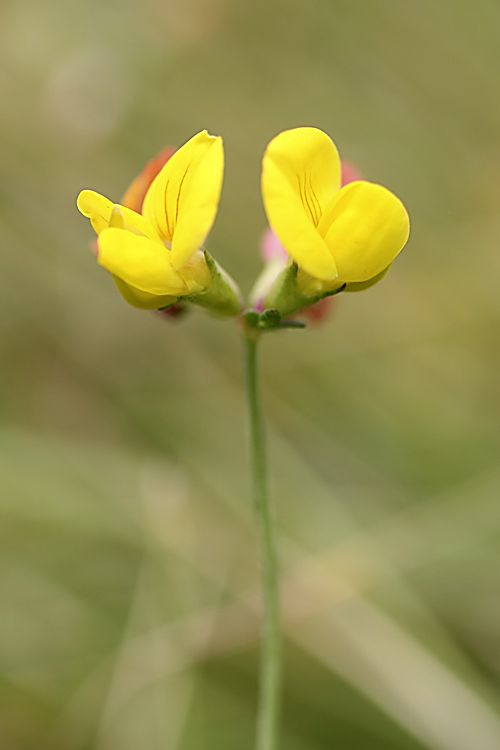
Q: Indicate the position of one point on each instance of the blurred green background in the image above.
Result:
(128, 571)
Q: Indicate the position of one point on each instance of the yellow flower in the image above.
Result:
(155, 258)
(339, 238)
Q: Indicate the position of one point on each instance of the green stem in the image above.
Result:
(270, 667)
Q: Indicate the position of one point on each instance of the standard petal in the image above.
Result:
(309, 159)
(182, 202)
(143, 300)
(365, 226)
(98, 209)
(300, 175)
(139, 262)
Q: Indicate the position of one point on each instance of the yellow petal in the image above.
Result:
(196, 273)
(360, 286)
(139, 262)
(300, 175)
(99, 209)
(117, 219)
(183, 199)
(142, 300)
(365, 226)
(95, 207)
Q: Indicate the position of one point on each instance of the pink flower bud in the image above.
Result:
(319, 312)
(271, 247)
(173, 311)
(350, 173)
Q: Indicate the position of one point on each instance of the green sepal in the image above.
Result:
(222, 296)
(285, 296)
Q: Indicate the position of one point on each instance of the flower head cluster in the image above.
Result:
(328, 236)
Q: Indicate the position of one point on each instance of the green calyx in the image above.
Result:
(222, 297)
(286, 297)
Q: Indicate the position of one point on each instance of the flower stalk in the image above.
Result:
(268, 712)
